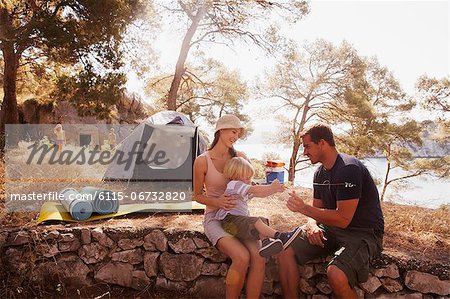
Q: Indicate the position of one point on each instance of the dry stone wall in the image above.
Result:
(181, 261)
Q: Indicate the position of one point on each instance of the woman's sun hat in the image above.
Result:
(229, 121)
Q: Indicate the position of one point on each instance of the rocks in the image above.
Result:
(390, 271)
(163, 283)
(214, 269)
(151, 263)
(116, 273)
(19, 238)
(324, 286)
(307, 271)
(180, 267)
(3, 238)
(183, 245)
(19, 261)
(139, 280)
(391, 285)
(85, 236)
(66, 238)
(133, 256)
(69, 243)
(271, 271)
(398, 296)
(92, 253)
(47, 250)
(371, 285)
(181, 262)
(127, 244)
(427, 283)
(200, 243)
(52, 235)
(156, 240)
(103, 239)
(307, 287)
(212, 254)
(267, 287)
(209, 287)
(69, 269)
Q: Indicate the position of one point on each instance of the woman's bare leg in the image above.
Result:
(240, 259)
(256, 272)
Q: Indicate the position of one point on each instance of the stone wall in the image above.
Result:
(181, 261)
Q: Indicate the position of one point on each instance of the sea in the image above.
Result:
(424, 191)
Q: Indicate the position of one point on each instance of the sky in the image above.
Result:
(411, 38)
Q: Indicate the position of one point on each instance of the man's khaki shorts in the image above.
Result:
(353, 250)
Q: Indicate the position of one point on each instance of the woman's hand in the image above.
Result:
(226, 202)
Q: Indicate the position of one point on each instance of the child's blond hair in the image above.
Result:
(238, 168)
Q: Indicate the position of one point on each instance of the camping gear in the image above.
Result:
(274, 171)
(75, 204)
(162, 148)
(53, 211)
(103, 201)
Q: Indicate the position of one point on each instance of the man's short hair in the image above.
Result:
(318, 132)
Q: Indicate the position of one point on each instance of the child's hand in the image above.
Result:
(277, 186)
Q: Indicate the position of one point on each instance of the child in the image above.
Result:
(237, 221)
(60, 136)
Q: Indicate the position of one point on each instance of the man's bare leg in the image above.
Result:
(339, 284)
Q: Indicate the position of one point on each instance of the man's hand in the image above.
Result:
(295, 203)
(315, 234)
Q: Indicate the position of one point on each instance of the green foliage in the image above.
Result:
(270, 156)
(310, 83)
(434, 93)
(72, 38)
(225, 22)
(259, 167)
(208, 90)
(92, 94)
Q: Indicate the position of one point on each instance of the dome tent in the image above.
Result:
(161, 148)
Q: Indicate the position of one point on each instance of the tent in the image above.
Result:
(160, 149)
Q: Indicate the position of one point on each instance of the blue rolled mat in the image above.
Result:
(103, 201)
(79, 208)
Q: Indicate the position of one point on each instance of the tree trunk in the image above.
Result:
(292, 161)
(9, 112)
(179, 69)
(386, 182)
(296, 146)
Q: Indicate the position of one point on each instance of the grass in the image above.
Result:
(409, 230)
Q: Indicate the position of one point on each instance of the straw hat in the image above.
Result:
(229, 121)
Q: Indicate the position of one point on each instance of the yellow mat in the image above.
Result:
(56, 211)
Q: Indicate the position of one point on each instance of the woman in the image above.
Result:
(208, 169)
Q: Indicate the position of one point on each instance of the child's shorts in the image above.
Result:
(242, 227)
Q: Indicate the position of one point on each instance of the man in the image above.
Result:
(345, 219)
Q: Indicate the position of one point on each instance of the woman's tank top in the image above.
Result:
(215, 182)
